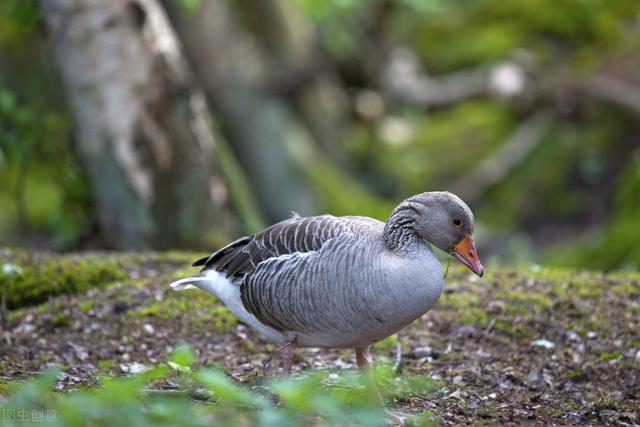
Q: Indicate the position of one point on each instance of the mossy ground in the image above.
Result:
(481, 343)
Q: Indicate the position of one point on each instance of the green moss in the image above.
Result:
(469, 306)
(223, 320)
(511, 328)
(386, 345)
(604, 403)
(105, 365)
(31, 278)
(86, 306)
(178, 257)
(61, 320)
(28, 278)
(425, 419)
(610, 356)
(400, 387)
(203, 310)
(626, 288)
(520, 302)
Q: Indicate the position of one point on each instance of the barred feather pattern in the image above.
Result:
(337, 282)
(322, 276)
(294, 235)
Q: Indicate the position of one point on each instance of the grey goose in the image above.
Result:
(340, 282)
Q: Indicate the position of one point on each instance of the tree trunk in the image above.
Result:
(261, 128)
(299, 68)
(143, 127)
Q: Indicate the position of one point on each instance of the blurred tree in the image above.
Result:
(298, 68)
(143, 127)
(261, 127)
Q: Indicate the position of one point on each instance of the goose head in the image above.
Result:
(444, 220)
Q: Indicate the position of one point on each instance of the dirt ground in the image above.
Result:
(519, 346)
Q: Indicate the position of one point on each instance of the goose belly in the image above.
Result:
(357, 337)
(370, 313)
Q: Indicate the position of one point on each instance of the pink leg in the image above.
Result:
(288, 352)
(363, 358)
(364, 361)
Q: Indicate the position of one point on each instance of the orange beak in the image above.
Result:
(466, 252)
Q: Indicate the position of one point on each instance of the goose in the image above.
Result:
(340, 282)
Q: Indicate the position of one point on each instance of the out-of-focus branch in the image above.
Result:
(405, 81)
(493, 169)
(296, 66)
(614, 91)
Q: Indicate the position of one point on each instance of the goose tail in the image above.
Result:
(194, 282)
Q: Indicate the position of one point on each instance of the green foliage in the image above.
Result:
(17, 19)
(466, 33)
(616, 243)
(388, 344)
(44, 189)
(190, 7)
(46, 196)
(320, 398)
(438, 147)
(340, 194)
(408, 150)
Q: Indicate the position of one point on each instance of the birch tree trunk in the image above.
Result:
(142, 125)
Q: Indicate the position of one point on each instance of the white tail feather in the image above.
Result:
(187, 283)
(228, 292)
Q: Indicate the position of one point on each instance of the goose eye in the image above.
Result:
(457, 222)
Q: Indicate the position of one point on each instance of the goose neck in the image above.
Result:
(399, 232)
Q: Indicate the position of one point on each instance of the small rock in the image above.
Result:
(496, 307)
(120, 307)
(466, 331)
(489, 396)
(80, 351)
(455, 394)
(457, 379)
(424, 352)
(247, 367)
(482, 354)
(543, 343)
(24, 328)
(339, 363)
(573, 336)
(148, 329)
(592, 334)
(133, 368)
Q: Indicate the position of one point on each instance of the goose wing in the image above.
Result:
(295, 235)
(270, 265)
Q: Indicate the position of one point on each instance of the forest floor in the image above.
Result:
(520, 346)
